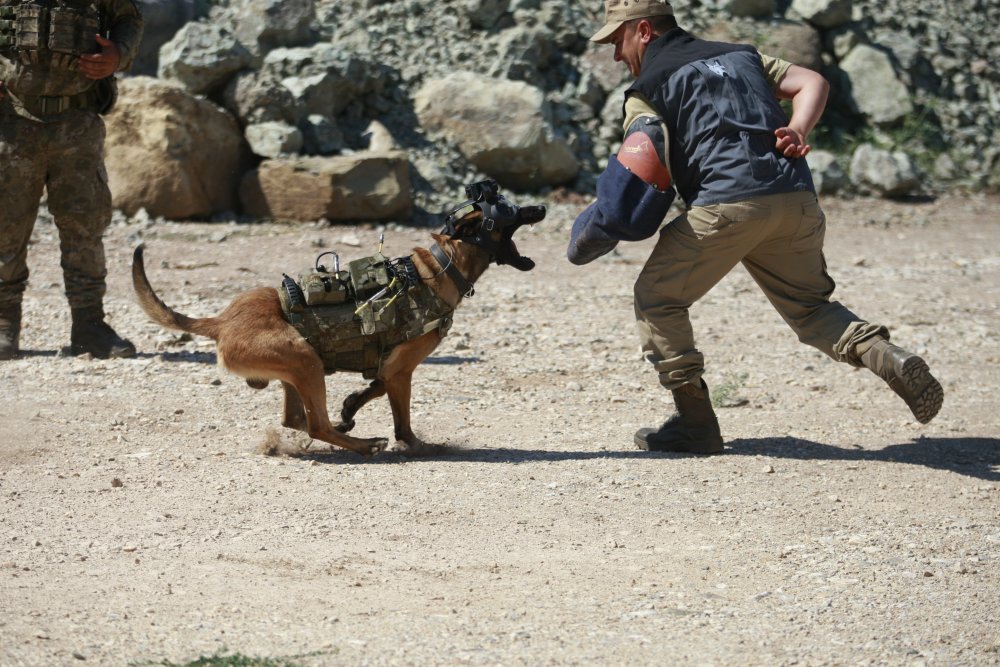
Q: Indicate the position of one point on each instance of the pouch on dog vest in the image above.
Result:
(355, 317)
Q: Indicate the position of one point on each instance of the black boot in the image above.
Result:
(908, 376)
(10, 331)
(693, 429)
(91, 334)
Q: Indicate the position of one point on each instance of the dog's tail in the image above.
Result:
(160, 312)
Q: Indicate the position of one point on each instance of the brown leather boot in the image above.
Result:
(10, 331)
(908, 376)
(91, 334)
(693, 429)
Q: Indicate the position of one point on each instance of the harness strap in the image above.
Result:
(465, 288)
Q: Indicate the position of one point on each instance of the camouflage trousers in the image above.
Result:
(65, 159)
(779, 240)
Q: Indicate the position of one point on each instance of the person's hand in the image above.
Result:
(103, 64)
(790, 143)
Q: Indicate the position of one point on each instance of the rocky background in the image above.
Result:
(370, 110)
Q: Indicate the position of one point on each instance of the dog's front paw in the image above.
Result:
(376, 446)
(414, 447)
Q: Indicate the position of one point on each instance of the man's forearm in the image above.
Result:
(808, 91)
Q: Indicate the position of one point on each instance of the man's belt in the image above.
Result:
(47, 105)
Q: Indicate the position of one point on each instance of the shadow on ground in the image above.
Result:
(971, 457)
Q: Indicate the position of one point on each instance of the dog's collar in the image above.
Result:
(465, 288)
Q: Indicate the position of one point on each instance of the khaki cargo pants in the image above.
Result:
(66, 159)
(779, 239)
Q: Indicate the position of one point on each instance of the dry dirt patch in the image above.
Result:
(140, 522)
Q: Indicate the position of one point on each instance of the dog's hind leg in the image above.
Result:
(356, 401)
(295, 414)
(304, 376)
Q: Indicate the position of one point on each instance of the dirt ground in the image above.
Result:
(142, 524)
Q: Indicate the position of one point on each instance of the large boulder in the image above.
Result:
(887, 173)
(502, 127)
(203, 56)
(362, 186)
(876, 90)
(262, 25)
(796, 42)
(171, 153)
(295, 83)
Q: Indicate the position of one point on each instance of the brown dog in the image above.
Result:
(255, 340)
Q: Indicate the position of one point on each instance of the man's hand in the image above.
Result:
(790, 143)
(103, 64)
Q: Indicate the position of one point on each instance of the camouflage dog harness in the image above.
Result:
(355, 317)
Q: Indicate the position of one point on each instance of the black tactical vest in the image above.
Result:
(721, 115)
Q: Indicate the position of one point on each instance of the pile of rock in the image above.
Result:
(367, 109)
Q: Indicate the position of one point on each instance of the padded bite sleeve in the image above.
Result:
(627, 209)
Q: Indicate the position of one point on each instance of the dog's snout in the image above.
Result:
(531, 214)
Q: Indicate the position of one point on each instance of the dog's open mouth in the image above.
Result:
(496, 222)
(508, 252)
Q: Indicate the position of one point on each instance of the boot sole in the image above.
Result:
(921, 391)
(683, 446)
(122, 353)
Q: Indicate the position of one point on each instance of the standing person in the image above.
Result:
(704, 118)
(57, 64)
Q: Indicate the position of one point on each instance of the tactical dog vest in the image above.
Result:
(54, 32)
(355, 317)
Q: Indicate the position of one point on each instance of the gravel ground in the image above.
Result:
(142, 523)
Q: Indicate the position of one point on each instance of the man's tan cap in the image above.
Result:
(617, 12)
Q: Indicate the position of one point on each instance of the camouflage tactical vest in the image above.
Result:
(355, 317)
(52, 32)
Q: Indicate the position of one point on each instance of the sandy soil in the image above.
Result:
(141, 523)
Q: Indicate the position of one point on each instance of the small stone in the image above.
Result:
(767, 469)
(116, 483)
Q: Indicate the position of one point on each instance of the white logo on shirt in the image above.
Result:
(718, 68)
